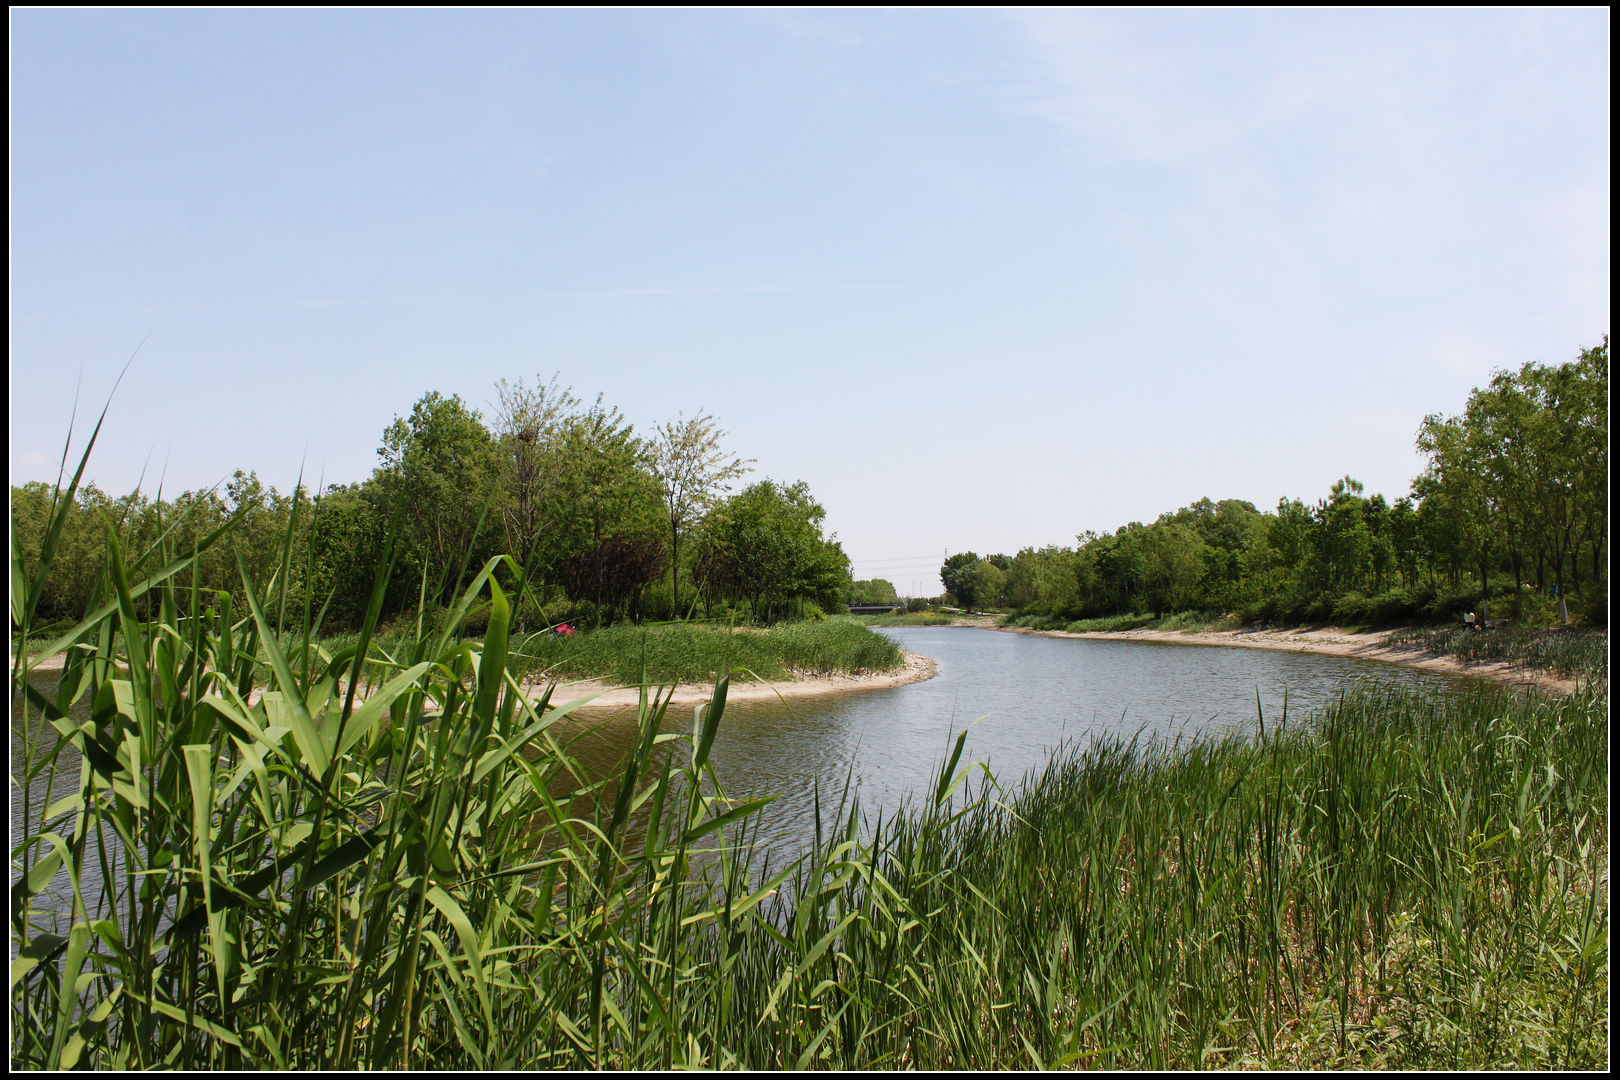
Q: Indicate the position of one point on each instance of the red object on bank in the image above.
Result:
(565, 630)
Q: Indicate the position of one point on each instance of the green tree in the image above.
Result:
(989, 581)
(873, 591)
(692, 471)
(606, 505)
(347, 535)
(1019, 591)
(1289, 535)
(1055, 580)
(1121, 569)
(1172, 566)
(69, 590)
(1452, 510)
(441, 461)
(956, 574)
(527, 425)
(1588, 400)
(1343, 544)
(1403, 537)
(764, 545)
(262, 510)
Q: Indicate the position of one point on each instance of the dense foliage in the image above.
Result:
(764, 546)
(1511, 509)
(873, 591)
(602, 524)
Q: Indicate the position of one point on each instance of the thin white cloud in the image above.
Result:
(715, 290)
(818, 31)
(1110, 80)
(678, 290)
(270, 305)
(1172, 87)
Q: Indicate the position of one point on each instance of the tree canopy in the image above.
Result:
(764, 545)
(595, 516)
(692, 471)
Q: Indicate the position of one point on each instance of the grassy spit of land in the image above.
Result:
(835, 655)
(688, 653)
(631, 655)
(910, 618)
(798, 659)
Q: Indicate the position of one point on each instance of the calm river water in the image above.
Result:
(1020, 696)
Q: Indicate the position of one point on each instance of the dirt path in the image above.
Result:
(1331, 641)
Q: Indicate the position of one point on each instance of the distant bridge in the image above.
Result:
(877, 609)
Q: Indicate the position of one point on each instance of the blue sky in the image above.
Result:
(982, 279)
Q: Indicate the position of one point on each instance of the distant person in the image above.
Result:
(1469, 623)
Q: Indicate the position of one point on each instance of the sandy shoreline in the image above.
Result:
(1330, 641)
(607, 695)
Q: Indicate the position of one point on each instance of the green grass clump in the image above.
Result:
(913, 618)
(1197, 620)
(1184, 620)
(1110, 624)
(1571, 653)
(833, 647)
(1036, 622)
(698, 653)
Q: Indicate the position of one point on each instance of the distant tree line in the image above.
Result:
(872, 591)
(1512, 505)
(606, 524)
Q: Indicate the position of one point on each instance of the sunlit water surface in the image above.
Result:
(1020, 696)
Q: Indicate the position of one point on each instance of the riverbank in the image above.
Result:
(1328, 641)
(606, 694)
(603, 694)
(803, 659)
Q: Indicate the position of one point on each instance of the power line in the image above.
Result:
(899, 558)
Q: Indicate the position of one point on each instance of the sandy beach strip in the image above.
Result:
(1329, 641)
(606, 695)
